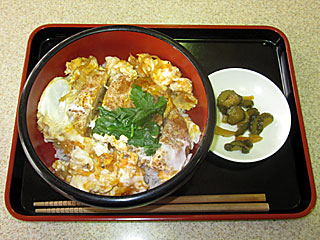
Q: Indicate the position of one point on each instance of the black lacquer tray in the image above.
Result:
(286, 177)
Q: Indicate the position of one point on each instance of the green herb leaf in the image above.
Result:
(134, 123)
(109, 124)
(141, 99)
(144, 116)
(151, 149)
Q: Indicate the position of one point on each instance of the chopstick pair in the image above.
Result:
(180, 204)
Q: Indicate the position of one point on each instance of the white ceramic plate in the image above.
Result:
(267, 98)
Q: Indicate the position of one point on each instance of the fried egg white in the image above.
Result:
(52, 117)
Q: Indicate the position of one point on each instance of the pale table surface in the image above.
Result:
(299, 20)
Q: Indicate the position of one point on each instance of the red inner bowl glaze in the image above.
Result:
(111, 43)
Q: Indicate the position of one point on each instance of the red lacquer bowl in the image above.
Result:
(119, 41)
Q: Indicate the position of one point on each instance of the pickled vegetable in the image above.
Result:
(244, 125)
(252, 137)
(235, 115)
(224, 132)
(247, 103)
(242, 128)
(236, 145)
(252, 112)
(238, 110)
(260, 122)
(227, 99)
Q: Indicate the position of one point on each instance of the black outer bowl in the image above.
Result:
(31, 147)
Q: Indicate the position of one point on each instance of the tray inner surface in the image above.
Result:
(283, 176)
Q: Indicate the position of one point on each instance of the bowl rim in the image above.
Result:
(129, 201)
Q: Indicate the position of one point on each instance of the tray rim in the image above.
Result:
(180, 217)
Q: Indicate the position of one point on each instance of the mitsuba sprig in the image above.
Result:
(134, 123)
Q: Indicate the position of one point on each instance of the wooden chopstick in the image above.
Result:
(170, 208)
(197, 203)
(225, 198)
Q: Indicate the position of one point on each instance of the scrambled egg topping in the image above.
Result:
(103, 164)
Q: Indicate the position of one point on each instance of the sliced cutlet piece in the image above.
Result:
(121, 80)
(175, 146)
(118, 93)
(87, 81)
